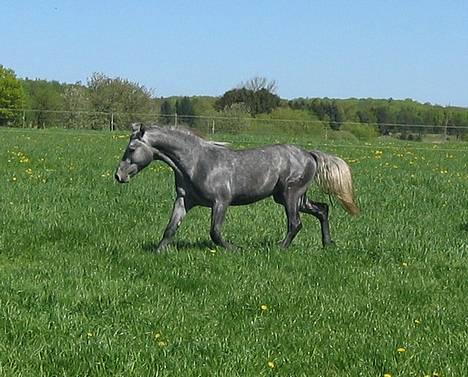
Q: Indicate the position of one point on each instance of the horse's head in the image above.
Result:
(136, 157)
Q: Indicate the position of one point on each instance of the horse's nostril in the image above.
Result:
(117, 178)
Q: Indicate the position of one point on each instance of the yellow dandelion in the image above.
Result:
(387, 375)
(264, 307)
(90, 334)
(404, 264)
(14, 179)
(162, 344)
(401, 350)
(271, 365)
(212, 251)
(417, 321)
(157, 335)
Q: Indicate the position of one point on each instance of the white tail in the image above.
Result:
(334, 177)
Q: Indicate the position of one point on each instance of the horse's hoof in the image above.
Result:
(329, 244)
(159, 249)
(231, 247)
(282, 245)
(225, 245)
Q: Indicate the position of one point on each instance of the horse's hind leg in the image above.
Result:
(290, 204)
(180, 209)
(320, 211)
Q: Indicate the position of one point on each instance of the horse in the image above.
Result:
(210, 174)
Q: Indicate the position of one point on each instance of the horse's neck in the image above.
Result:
(179, 148)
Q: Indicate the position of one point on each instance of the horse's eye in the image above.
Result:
(132, 146)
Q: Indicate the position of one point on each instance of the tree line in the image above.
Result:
(89, 105)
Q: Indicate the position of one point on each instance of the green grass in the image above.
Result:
(82, 295)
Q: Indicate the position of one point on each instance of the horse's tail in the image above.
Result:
(334, 177)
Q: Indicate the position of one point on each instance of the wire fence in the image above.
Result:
(241, 125)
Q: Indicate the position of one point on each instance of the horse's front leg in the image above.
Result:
(180, 209)
(218, 214)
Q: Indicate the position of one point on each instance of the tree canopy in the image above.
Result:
(256, 102)
(11, 95)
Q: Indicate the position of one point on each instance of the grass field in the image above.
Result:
(82, 295)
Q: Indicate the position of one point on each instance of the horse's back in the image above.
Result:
(259, 173)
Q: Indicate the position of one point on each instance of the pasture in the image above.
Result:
(81, 294)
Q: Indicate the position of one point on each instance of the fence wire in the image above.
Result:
(219, 124)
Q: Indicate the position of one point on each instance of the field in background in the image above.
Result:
(82, 294)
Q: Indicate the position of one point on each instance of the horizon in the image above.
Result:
(311, 49)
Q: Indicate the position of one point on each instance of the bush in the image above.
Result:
(340, 135)
(233, 119)
(363, 131)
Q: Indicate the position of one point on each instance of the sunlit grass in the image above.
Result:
(82, 294)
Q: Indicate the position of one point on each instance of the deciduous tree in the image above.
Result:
(127, 99)
(11, 96)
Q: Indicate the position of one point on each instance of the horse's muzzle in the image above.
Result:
(120, 179)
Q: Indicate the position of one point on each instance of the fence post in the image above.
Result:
(213, 127)
(112, 122)
(24, 118)
(445, 128)
(175, 119)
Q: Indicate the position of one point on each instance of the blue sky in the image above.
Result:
(341, 49)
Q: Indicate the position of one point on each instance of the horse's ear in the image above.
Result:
(136, 127)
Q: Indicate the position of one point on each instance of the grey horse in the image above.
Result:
(215, 176)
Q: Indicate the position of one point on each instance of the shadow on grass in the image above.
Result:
(151, 247)
(265, 245)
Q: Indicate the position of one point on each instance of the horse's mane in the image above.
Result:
(190, 132)
(179, 129)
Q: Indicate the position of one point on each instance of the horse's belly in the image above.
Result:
(246, 192)
(243, 199)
